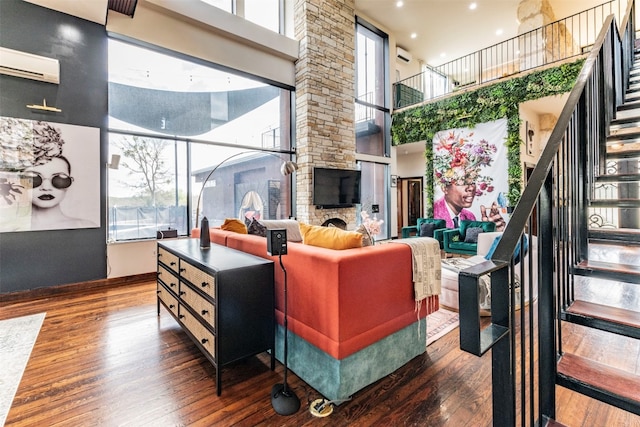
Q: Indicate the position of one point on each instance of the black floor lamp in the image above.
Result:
(283, 399)
(288, 167)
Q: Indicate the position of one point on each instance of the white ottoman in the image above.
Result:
(449, 293)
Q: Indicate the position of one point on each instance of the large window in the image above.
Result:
(374, 194)
(373, 120)
(269, 14)
(372, 115)
(172, 122)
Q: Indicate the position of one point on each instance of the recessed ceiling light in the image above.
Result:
(399, 4)
(473, 6)
(414, 35)
(499, 32)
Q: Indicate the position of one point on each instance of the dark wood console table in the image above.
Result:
(222, 298)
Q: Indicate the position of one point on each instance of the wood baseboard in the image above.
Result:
(50, 291)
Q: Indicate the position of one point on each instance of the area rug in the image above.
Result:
(17, 337)
(441, 323)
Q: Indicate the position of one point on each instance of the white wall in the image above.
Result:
(130, 258)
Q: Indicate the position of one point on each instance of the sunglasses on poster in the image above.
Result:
(58, 180)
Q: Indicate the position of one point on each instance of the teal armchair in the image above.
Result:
(439, 226)
(464, 239)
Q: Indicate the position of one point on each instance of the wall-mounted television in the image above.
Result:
(336, 188)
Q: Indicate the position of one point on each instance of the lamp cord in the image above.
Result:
(284, 385)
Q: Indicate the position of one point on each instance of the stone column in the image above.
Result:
(325, 88)
(545, 45)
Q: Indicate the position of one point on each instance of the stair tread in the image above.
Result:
(605, 312)
(602, 265)
(613, 203)
(606, 378)
(621, 177)
(629, 106)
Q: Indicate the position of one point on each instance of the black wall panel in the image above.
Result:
(35, 259)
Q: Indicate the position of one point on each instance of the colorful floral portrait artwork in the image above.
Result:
(49, 175)
(471, 160)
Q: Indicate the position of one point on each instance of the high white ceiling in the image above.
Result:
(441, 26)
(450, 27)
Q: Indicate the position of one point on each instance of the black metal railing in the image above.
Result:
(558, 41)
(545, 237)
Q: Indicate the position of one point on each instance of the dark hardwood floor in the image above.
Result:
(103, 357)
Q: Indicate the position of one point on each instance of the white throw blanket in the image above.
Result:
(427, 273)
(426, 266)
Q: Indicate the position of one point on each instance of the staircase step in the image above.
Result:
(607, 270)
(632, 96)
(622, 137)
(629, 106)
(614, 203)
(615, 236)
(606, 318)
(625, 122)
(610, 385)
(627, 177)
(623, 154)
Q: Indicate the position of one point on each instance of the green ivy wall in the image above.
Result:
(486, 104)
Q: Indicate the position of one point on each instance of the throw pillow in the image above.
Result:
(426, 229)
(330, 237)
(366, 237)
(291, 225)
(516, 254)
(256, 228)
(234, 225)
(472, 234)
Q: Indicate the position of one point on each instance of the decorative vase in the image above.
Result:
(205, 239)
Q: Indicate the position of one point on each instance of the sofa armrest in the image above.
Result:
(450, 235)
(438, 234)
(407, 230)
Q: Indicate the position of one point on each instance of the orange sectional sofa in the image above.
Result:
(352, 315)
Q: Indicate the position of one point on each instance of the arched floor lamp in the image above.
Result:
(288, 167)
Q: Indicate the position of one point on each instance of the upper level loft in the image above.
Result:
(558, 41)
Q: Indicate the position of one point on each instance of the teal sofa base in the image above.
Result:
(340, 379)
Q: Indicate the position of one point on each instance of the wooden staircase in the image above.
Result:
(616, 192)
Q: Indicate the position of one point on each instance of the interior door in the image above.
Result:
(410, 201)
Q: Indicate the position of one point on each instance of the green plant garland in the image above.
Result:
(486, 104)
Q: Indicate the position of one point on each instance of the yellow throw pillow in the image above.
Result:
(235, 225)
(330, 237)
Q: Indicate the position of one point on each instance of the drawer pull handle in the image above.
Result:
(183, 270)
(205, 284)
(182, 292)
(203, 312)
(172, 284)
(172, 306)
(181, 316)
(159, 273)
(172, 263)
(204, 340)
(159, 291)
(159, 254)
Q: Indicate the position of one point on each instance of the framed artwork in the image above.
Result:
(49, 175)
(471, 174)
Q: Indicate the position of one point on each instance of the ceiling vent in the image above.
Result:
(403, 55)
(29, 66)
(126, 7)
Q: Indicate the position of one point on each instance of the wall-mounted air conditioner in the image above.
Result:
(29, 66)
(403, 55)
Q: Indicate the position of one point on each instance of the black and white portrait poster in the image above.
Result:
(471, 174)
(49, 175)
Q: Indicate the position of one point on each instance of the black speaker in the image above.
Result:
(277, 242)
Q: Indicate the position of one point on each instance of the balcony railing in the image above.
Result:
(558, 41)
